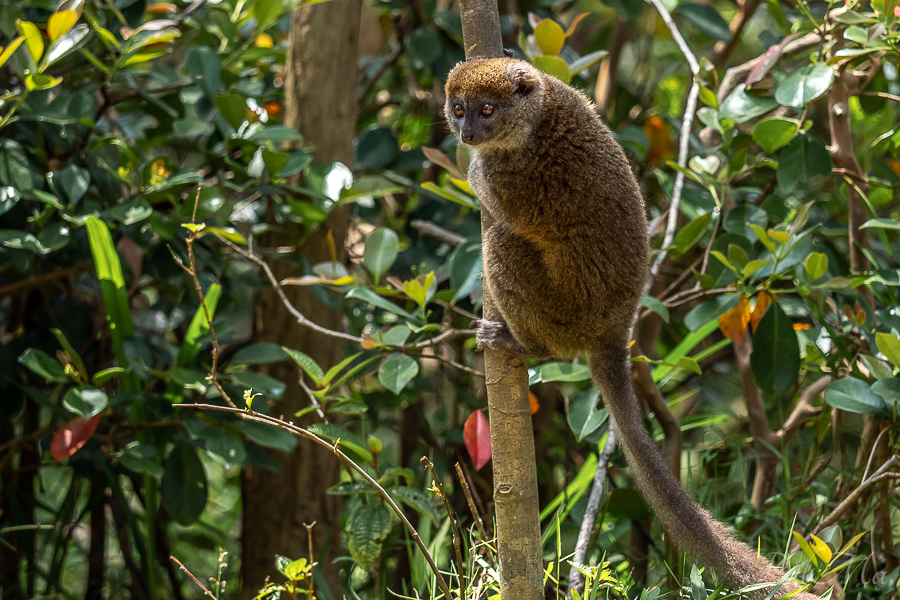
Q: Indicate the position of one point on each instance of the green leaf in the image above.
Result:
(773, 134)
(587, 61)
(101, 377)
(740, 106)
(367, 528)
(889, 390)
(881, 224)
(349, 440)
(275, 161)
(584, 416)
(309, 366)
(184, 485)
(816, 265)
(232, 107)
(656, 306)
(222, 442)
(801, 160)
(854, 395)
(396, 371)
(550, 37)
(266, 11)
(132, 211)
(705, 19)
(710, 310)
(199, 326)
(380, 251)
(465, 268)
(268, 436)
(262, 353)
(70, 42)
(41, 363)
(775, 361)
(423, 47)
(563, 371)
(450, 194)
(115, 295)
(889, 345)
(804, 85)
(417, 500)
(374, 299)
(86, 402)
(689, 235)
(698, 590)
(554, 65)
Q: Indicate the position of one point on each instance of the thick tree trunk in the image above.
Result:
(320, 100)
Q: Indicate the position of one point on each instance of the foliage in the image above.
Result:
(140, 145)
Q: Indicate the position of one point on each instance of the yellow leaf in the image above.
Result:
(849, 544)
(780, 236)
(734, 323)
(463, 185)
(550, 37)
(263, 40)
(821, 549)
(345, 280)
(60, 23)
(33, 38)
(5, 53)
(807, 550)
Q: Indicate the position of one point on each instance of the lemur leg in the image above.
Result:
(514, 274)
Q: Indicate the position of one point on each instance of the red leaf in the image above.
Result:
(768, 61)
(477, 435)
(73, 436)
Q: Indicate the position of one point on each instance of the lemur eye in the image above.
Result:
(458, 111)
(487, 110)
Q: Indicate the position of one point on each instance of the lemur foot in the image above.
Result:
(496, 335)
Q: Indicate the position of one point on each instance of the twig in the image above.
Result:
(429, 229)
(880, 475)
(250, 415)
(300, 317)
(312, 558)
(872, 453)
(735, 75)
(191, 575)
(723, 50)
(36, 279)
(438, 488)
(684, 136)
(893, 97)
(479, 523)
(576, 579)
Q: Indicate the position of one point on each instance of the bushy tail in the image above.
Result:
(691, 527)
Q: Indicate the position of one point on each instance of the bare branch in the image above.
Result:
(684, 136)
(249, 415)
(576, 579)
(880, 475)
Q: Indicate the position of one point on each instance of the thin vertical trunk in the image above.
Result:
(320, 100)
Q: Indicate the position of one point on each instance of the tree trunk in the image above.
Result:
(506, 380)
(320, 100)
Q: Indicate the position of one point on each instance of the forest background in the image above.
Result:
(283, 170)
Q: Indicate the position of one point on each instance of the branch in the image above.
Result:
(735, 75)
(723, 50)
(576, 579)
(803, 410)
(880, 475)
(249, 415)
(684, 136)
(429, 229)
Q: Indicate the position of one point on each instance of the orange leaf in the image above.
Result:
(802, 326)
(477, 436)
(162, 7)
(535, 405)
(575, 23)
(661, 146)
(734, 323)
(73, 436)
(763, 300)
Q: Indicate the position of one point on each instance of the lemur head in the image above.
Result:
(494, 103)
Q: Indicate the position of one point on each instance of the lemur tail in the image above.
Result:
(691, 527)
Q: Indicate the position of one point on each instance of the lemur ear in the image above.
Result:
(523, 77)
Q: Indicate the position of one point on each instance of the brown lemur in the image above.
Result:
(565, 262)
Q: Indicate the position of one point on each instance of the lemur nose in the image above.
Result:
(468, 137)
